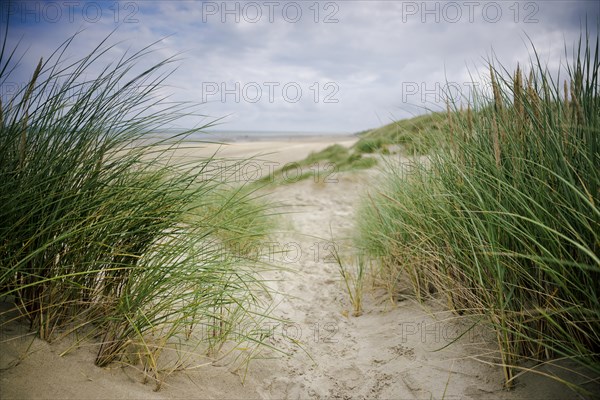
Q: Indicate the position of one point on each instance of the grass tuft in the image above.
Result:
(415, 136)
(504, 220)
(104, 233)
(321, 166)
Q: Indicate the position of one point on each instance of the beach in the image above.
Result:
(300, 200)
(395, 349)
(271, 153)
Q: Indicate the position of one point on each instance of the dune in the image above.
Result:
(390, 351)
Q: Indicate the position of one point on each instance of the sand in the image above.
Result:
(276, 152)
(390, 351)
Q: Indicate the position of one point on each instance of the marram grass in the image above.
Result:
(102, 233)
(322, 166)
(416, 136)
(504, 220)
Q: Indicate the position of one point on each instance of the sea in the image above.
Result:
(252, 135)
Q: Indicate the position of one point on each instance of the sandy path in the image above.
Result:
(391, 350)
(381, 354)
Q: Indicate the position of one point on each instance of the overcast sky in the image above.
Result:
(329, 66)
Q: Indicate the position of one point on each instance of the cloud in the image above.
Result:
(340, 66)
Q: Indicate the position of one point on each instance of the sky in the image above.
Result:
(305, 66)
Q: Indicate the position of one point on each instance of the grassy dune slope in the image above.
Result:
(505, 221)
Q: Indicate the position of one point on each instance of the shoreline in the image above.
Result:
(284, 137)
(241, 137)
